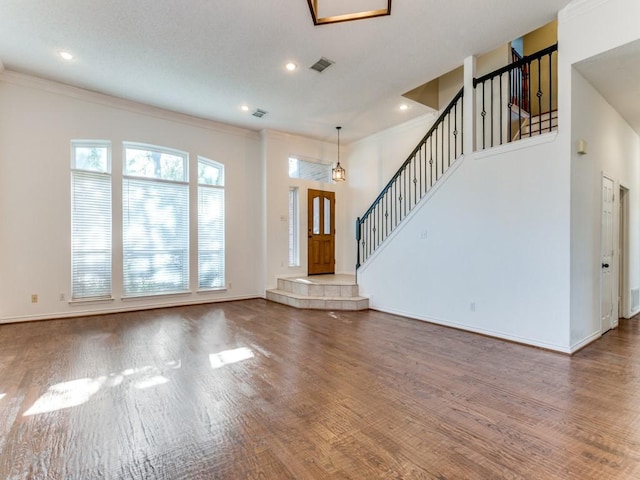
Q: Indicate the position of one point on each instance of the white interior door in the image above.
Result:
(606, 272)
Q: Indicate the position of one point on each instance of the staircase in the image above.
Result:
(538, 124)
(429, 161)
(503, 99)
(530, 126)
(319, 292)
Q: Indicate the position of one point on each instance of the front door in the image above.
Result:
(606, 272)
(321, 232)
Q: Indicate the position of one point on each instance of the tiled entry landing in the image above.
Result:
(321, 292)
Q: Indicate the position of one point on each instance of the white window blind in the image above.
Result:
(294, 257)
(90, 220)
(155, 221)
(211, 250)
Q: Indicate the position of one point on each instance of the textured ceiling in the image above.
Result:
(206, 58)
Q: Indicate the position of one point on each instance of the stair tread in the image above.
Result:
(312, 297)
(333, 283)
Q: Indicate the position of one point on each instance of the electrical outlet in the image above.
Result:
(34, 298)
(230, 285)
(423, 235)
(472, 306)
(61, 297)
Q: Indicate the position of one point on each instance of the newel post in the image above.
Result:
(358, 242)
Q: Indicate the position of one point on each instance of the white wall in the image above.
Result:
(497, 236)
(613, 149)
(585, 29)
(38, 120)
(277, 148)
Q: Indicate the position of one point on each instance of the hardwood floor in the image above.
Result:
(258, 390)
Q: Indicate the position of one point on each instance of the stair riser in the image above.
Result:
(534, 129)
(317, 290)
(319, 304)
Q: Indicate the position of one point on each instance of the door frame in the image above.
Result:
(623, 252)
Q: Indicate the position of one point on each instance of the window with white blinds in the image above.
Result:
(155, 221)
(90, 220)
(211, 264)
(306, 170)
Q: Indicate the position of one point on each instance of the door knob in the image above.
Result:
(605, 265)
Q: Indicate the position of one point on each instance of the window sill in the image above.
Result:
(211, 290)
(155, 295)
(88, 301)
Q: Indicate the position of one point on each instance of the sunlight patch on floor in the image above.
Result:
(229, 356)
(66, 395)
(76, 392)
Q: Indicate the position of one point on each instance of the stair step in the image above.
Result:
(337, 286)
(318, 302)
(538, 124)
(317, 290)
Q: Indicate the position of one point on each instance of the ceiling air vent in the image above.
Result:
(321, 65)
(259, 113)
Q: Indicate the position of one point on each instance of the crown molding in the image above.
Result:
(579, 7)
(50, 86)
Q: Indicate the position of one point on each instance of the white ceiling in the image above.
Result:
(208, 57)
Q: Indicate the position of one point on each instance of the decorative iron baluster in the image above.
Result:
(448, 141)
(519, 104)
(431, 163)
(500, 110)
(491, 109)
(550, 91)
(483, 114)
(539, 95)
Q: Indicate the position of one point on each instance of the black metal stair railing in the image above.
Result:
(518, 100)
(428, 162)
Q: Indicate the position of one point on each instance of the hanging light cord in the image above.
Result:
(338, 128)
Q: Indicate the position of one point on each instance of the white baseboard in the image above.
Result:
(584, 342)
(482, 331)
(127, 308)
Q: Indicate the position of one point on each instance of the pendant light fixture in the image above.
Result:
(338, 174)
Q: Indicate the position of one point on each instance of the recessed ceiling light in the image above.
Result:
(66, 55)
(291, 66)
(404, 107)
(244, 108)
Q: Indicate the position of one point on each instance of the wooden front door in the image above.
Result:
(321, 232)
